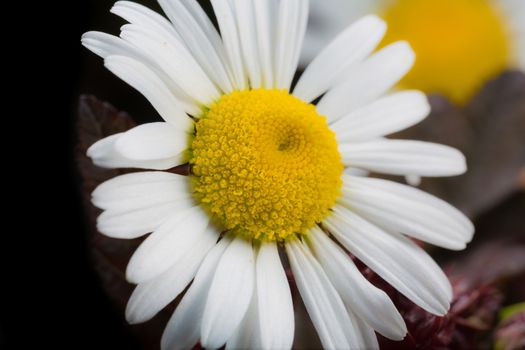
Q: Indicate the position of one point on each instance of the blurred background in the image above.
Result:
(488, 125)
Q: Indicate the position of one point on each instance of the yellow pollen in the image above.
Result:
(265, 164)
(459, 44)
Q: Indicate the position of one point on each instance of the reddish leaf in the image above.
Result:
(466, 326)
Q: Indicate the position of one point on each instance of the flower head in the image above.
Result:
(285, 176)
(270, 171)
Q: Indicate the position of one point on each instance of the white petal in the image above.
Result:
(265, 24)
(230, 35)
(103, 151)
(161, 28)
(275, 306)
(367, 336)
(167, 245)
(104, 154)
(385, 116)
(105, 45)
(403, 157)
(136, 190)
(230, 294)
(245, 16)
(150, 297)
(348, 48)
(395, 258)
(325, 307)
(291, 25)
(148, 84)
(358, 294)
(176, 61)
(142, 16)
(328, 18)
(200, 36)
(156, 79)
(128, 224)
(153, 141)
(183, 328)
(247, 335)
(304, 8)
(407, 210)
(367, 81)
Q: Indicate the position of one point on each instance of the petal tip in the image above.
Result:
(130, 315)
(133, 271)
(399, 334)
(92, 150)
(375, 20)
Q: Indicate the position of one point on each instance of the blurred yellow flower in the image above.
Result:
(459, 44)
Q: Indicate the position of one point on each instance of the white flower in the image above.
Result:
(267, 174)
(459, 43)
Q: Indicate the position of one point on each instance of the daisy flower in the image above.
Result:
(271, 181)
(459, 44)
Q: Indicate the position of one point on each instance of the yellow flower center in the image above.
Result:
(265, 164)
(459, 44)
